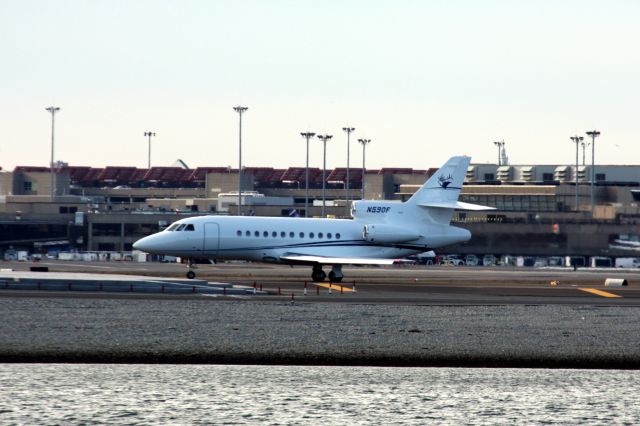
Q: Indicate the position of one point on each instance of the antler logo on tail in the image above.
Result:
(445, 181)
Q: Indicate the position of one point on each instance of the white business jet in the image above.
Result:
(379, 232)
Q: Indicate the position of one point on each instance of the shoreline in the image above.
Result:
(323, 361)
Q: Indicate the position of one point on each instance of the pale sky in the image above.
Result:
(423, 80)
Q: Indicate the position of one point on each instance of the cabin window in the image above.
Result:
(239, 233)
(256, 233)
(274, 234)
(181, 227)
(247, 233)
(291, 234)
(265, 234)
(283, 234)
(338, 236)
(301, 235)
(320, 235)
(328, 234)
(190, 227)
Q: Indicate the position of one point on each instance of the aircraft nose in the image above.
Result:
(145, 244)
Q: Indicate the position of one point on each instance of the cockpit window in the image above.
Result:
(173, 227)
(189, 227)
(181, 227)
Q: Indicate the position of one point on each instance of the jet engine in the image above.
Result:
(383, 233)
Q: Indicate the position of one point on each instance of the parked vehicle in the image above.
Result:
(426, 258)
(456, 260)
(488, 260)
(451, 259)
(555, 261)
(540, 262)
(627, 262)
(471, 260)
(525, 261)
(10, 254)
(601, 262)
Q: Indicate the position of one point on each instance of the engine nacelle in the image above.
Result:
(383, 233)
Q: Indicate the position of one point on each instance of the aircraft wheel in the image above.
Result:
(334, 278)
(318, 276)
(191, 275)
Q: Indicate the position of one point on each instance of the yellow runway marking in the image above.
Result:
(334, 287)
(599, 292)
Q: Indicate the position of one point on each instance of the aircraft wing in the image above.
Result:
(325, 260)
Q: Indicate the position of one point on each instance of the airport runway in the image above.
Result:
(406, 284)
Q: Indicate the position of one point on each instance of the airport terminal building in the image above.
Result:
(539, 208)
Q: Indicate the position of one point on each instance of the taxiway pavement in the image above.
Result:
(389, 285)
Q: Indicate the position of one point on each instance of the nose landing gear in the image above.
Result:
(191, 265)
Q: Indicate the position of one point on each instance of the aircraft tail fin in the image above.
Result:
(444, 185)
(439, 195)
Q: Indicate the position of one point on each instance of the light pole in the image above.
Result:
(52, 110)
(584, 149)
(324, 139)
(577, 140)
(240, 110)
(594, 134)
(499, 145)
(348, 130)
(307, 136)
(364, 143)
(149, 135)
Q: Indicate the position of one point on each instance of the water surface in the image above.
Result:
(221, 394)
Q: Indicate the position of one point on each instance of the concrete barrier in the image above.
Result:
(615, 282)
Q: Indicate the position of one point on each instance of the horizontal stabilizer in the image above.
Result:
(458, 205)
(323, 260)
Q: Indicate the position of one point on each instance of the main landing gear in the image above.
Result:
(318, 274)
(191, 265)
(335, 275)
